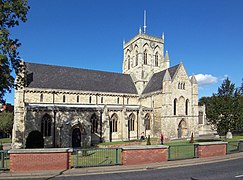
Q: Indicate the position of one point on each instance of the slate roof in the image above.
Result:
(67, 78)
(155, 83)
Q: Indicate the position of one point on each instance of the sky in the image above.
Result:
(205, 35)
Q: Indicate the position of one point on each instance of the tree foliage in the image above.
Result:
(6, 122)
(11, 14)
(225, 108)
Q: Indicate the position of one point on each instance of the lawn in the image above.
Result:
(5, 140)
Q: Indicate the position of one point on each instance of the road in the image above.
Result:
(227, 170)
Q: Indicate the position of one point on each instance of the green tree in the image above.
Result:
(12, 12)
(224, 109)
(6, 122)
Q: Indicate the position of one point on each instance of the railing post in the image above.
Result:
(116, 155)
(169, 153)
(2, 159)
(195, 150)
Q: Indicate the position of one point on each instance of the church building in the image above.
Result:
(74, 107)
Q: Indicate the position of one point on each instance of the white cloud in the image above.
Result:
(206, 79)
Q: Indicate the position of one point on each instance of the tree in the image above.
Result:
(224, 109)
(6, 122)
(11, 14)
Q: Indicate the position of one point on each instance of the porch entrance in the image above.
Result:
(76, 138)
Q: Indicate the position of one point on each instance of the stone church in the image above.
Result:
(74, 107)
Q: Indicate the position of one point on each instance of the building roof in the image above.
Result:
(67, 78)
(155, 83)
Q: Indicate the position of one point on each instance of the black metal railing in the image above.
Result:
(4, 160)
(176, 152)
(233, 147)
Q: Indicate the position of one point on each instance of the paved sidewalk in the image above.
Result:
(118, 169)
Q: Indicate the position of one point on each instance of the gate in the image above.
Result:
(233, 147)
(96, 157)
(4, 160)
(176, 152)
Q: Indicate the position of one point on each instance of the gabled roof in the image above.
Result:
(67, 78)
(155, 83)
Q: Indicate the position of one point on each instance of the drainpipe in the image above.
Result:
(137, 124)
(101, 126)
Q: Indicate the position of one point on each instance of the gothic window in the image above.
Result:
(114, 120)
(147, 121)
(77, 99)
(41, 98)
(64, 98)
(94, 122)
(200, 117)
(156, 59)
(90, 99)
(131, 121)
(186, 108)
(128, 62)
(136, 63)
(101, 100)
(145, 57)
(118, 100)
(127, 100)
(175, 104)
(183, 87)
(179, 85)
(46, 125)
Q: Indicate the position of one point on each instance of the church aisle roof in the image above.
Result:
(155, 83)
(68, 78)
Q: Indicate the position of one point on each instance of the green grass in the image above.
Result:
(5, 140)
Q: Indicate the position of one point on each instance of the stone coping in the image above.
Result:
(211, 143)
(44, 150)
(144, 147)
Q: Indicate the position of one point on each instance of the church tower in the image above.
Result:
(144, 56)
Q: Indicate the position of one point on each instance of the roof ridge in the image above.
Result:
(94, 70)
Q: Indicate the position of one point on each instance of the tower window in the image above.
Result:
(145, 57)
(118, 100)
(90, 99)
(136, 63)
(101, 100)
(156, 63)
(77, 99)
(175, 103)
(128, 62)
(64, 98)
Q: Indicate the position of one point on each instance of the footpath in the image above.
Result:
(118, 169)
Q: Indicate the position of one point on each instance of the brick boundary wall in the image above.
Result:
(32, 160)
(209, 149)
(134, 155)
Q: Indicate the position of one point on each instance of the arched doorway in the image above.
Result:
(76, 138)
(182, 129)
(35, 140)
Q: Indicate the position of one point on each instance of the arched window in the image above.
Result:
(41, 98)
(128, 62)
(156, 63)
(136, 63)
(186, 108)
(175, 104)
(101, 100)
(179, 85)
(46, 125)
(77, 99)
(145, 57)
(118, 100)
(90, 99)
(94, 122)
(114, 120)
(147, 121)
(127, 100)
(64, 98)
(131, 121)
(183, 86)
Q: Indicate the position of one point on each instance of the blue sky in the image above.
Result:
(206, 35)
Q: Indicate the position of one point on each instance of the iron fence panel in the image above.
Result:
(176, 152)
(4, 160)
(96, 157)
(233, 147)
